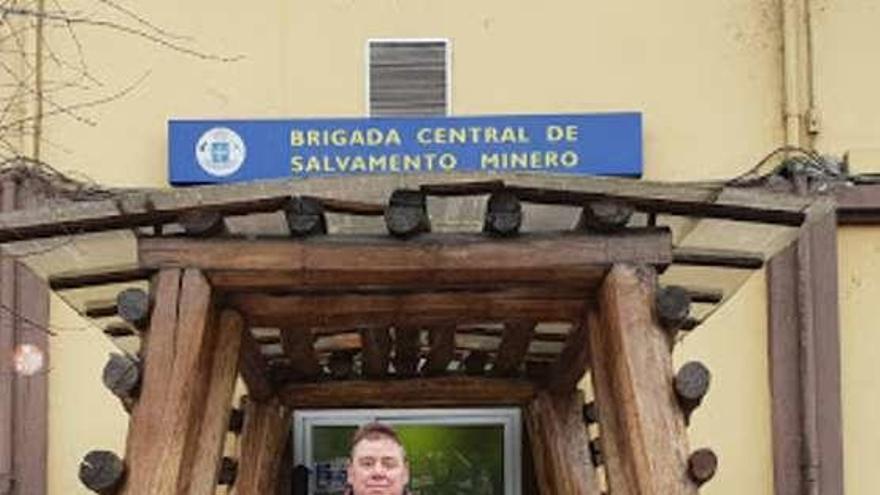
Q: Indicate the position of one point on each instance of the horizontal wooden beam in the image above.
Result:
(98, 276)
(708, 201)
(266, 310)
(457, 391)
(427, 261)
(722, 258)
(859, 205)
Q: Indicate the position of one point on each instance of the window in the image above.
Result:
(408, 78)
(451, 451)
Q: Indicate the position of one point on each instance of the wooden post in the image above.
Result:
(560, 445)
(643, 432)
(266, 428)
(190, 363)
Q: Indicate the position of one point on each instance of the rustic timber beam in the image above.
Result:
(299, 347)
(439, 259)
(254, 369)
(858, 205)
(441, 342)
(673, 306)
(375, 353)
(643, 439)
(407, 349)
(574, 360)
(426, 308)
(701, 202)
(513, 348)
(558, 439)
(140, 208)
(98, 276)
(723, 258)
(451, 391)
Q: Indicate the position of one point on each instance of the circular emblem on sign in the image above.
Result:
(220, 151)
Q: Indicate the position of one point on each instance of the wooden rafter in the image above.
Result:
(375, 354)
(513, 348)
(299, 347)
(407, 350)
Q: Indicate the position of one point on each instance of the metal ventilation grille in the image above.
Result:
(408, 78)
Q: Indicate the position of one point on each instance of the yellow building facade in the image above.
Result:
(719, 85)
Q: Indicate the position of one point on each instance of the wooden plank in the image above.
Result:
(7, 350)
(217, 407)
(407, 348)
(299, 346)
(722, 258)
(457, 391)
(573, 362)
(804, 346)
(560, 445)
(435, 259)
(513, 348)
(254, 369)
(98, 276)
(644, 441)
(858, 205)
(30, 442)
(408, 309)
(266, 430)
(375, 353)
(441, 342)
(349, 207)
(143, 451)
(128, 211)
(187, 387)
(692, 201)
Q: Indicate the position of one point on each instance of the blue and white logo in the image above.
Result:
(220, 151)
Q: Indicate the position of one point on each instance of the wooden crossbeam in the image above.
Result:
(425, 308)
(430, 260)
(459, 391)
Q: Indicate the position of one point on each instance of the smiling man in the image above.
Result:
(378, 464)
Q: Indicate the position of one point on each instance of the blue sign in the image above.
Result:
(209, 151)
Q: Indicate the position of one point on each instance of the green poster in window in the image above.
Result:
(444, 459)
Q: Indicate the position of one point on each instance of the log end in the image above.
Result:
(702, 466)
(102, 471)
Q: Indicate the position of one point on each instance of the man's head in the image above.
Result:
(378, 464)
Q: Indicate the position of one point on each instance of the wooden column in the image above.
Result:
(643, 433)
(191, 360)
(560, 445)
(265, 433)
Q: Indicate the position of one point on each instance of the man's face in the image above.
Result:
(377, 468)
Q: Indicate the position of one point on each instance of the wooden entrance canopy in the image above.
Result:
(487, 317)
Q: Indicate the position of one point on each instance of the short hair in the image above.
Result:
(374, 431)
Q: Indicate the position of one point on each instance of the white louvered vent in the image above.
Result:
(408, 78)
